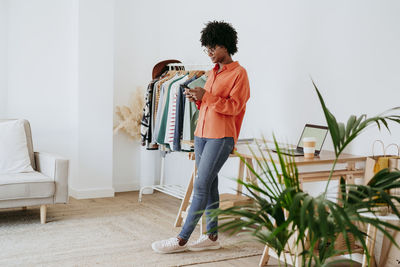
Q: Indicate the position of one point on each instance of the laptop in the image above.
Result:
(310, 130)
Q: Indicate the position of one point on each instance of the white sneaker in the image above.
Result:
(204, 243)
(168, 246)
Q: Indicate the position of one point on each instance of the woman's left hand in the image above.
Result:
(197, 93)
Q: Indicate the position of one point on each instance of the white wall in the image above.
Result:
(41, 72)
(60, 77)
(71, 62)
(96, 83)
(350, 50)
(136, 51)
(3, 58)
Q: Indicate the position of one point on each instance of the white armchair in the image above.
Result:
(48, 184)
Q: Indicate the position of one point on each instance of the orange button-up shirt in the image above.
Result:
(224, 102)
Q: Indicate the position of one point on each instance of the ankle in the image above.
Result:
(213, 237)
(182, 241)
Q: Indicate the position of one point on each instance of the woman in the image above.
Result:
(222, 104)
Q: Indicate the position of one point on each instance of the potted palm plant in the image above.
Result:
(285, 218)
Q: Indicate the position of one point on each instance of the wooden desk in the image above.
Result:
(325, 157)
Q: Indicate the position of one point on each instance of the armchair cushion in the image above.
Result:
(14, 153)
(26, 185)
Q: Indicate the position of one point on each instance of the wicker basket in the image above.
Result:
(341, 246)
(340, 243)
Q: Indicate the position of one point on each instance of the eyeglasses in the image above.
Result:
(209, 51)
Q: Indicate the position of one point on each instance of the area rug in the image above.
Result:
(104, 232)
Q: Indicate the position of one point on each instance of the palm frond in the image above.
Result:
(343, 135)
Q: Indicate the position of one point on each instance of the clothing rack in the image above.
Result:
(174, 190)
(174, 66)
(177, 191)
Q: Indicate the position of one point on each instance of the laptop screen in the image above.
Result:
(319, 132)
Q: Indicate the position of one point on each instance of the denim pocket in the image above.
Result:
(230, 143)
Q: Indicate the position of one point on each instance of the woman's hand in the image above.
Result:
(197, 93)
(189, 96)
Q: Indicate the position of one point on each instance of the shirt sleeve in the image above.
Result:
(235, 102)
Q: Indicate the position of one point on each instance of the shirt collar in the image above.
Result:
(228, 67)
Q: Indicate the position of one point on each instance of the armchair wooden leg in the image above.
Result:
(43, 211)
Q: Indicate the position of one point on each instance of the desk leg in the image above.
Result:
(351, 166)
(203, 224)
(349, 178)
(250, 175)
(371, 235)
(265, 257)
(299, 257)
(186, 199)
(240, 177)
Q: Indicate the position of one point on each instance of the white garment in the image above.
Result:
(161, 104)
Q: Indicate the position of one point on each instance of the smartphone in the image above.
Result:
(187, 88)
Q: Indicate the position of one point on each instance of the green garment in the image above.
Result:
(191, 113)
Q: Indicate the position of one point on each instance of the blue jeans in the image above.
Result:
(211, 154)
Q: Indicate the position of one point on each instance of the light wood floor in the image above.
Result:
(173, 203)
(115, 231)
(247, 261)
(108, 232)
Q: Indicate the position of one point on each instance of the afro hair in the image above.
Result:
(219, 33)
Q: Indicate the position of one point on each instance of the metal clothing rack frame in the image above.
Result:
(174, 190)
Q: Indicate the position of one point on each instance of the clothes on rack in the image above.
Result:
(146, 118)
(180, 110)
(168, 116)
(162, 117)
(191, 113)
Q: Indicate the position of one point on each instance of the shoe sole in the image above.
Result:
(205, 248)
(168, 252)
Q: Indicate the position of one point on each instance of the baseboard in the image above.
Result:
(126, 187)
(91, 193)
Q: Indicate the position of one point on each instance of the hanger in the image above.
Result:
(200, 73)
(191, 74)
